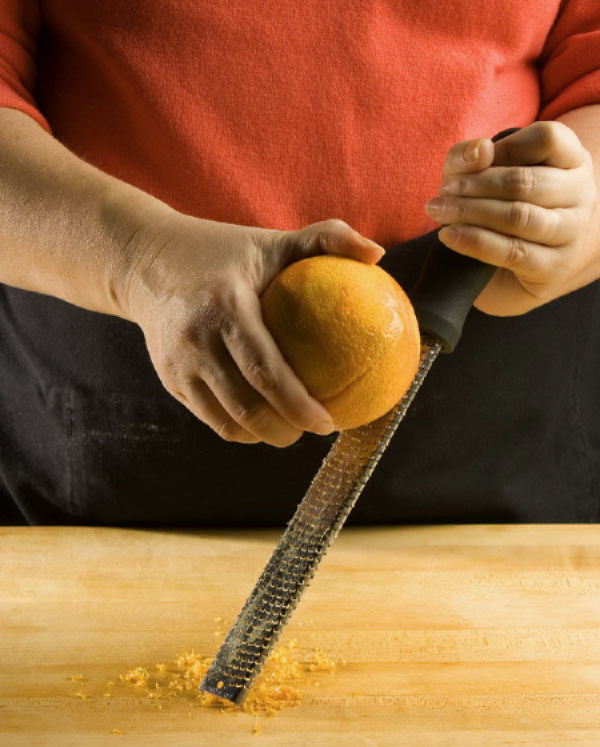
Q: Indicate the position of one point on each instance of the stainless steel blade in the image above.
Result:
(314, 526)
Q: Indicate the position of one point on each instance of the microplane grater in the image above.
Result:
(442, 298)
(313, 528)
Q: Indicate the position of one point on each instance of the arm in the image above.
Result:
(192, 285)
(66, 228)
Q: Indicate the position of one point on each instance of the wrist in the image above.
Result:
(131, 220)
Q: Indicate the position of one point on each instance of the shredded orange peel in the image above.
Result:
(270, 693)
(274, 689)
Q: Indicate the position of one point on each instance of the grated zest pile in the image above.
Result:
(270, 693)
(273, 690)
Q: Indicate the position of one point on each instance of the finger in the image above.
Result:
(520, 219)
(526, 259)
(202, 403)
(469, 156)
(330, 237)
(542, 185)
(547, 143)
(242, 402)
(260, 361)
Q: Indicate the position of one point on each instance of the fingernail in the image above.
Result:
(472, 151)
(373, 245)
(449, 234)
(434, 206)
(324, 428)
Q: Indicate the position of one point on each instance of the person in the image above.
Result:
(160, 163)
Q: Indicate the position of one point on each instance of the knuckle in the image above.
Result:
(228, 327)
(229, 305)
(462, 211)
(220, 294)
(457, 150)
(186, 333)
(181, 397)
(328, 232)
(285, 441)
(216, 308)
(170, 380)
(322, 240)
(454, 157)
(559, 228)
(330, 229)
(478, 240)
(227, 431)
(249, 416)
(182, 388)
(520, 215)
(336, 224)
(518, 181)
(548, 133)
(262, 375)
(517, 253)
(463, 185)
(167, 364)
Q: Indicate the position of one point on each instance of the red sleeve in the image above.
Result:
(19, 27)
(570, 60)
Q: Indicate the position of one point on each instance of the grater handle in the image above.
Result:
(448, 285)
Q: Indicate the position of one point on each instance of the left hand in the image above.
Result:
(524, 204)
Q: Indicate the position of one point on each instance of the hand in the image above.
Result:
(195, 293)
(525, 205)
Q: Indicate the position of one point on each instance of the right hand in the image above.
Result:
(194, 290)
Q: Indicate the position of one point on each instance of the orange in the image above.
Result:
(348, 331)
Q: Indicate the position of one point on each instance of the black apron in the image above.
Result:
(505, 429)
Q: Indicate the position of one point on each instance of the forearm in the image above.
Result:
(66, 228)
(585, 122)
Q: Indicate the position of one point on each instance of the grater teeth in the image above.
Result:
(314, 526)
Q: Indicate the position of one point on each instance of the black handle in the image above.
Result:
(447, 286)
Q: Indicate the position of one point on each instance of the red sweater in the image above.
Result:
(279, 114)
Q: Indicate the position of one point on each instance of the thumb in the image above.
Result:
(329, 237)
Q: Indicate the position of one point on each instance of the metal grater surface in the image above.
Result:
(313, 528)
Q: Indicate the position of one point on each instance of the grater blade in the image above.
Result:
(313, 528)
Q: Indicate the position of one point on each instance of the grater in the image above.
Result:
(442, 297)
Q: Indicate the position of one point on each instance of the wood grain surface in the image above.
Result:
(469, 635)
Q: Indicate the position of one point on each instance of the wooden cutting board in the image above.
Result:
(464, 636)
